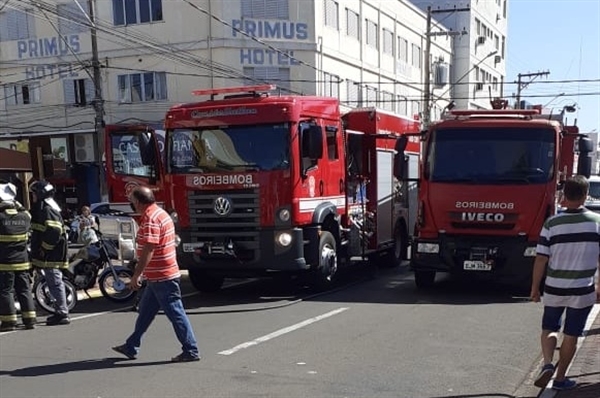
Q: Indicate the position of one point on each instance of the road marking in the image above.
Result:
(283, 331)
(548, 392)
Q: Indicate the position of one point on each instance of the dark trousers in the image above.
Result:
(19, 283)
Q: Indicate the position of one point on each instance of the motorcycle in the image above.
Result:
(90, 265)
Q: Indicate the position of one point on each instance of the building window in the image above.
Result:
(268, 74)
(371, 99)
(387, 101)
(22, 94)
(71, 19)
(265, 9)
(388, 42)
(353, 90)
(372, 34)
(402, 49)
(17, 25)
(478, 26)
(401, 105)
(143, 87)
(131, 12)
(416, 56)
(332, 14)
(331, 85)
(78, 92)
(416, 108)
(495, 84)
(352, 24)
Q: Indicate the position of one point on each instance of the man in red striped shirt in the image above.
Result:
(157, 262)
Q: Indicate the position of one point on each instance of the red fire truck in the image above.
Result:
(488, 181)
(264, 185)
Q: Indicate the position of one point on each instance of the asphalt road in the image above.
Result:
(375, 336)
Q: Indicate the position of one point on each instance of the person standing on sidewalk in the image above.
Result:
(49, 246)
(568, 252)
(15, 222)
(157, 262)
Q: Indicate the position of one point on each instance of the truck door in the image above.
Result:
(311, 168)
(133, 158)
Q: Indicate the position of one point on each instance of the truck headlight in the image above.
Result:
(428, 248)
(530, 251)
(284, 239)
(174, 217)
(284, 215)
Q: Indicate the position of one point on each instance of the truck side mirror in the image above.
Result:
(585, 145)
(400, 158)
(584, 160)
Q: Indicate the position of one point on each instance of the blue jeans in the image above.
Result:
(164, 296)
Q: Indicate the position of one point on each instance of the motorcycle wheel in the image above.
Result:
(107, 282)
(42, 296)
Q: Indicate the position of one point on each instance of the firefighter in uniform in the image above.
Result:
(15, 222)
(49, 246)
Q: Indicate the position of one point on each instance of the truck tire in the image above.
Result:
(424, 279)
(324, 275)
(204, 281)
(394, 256)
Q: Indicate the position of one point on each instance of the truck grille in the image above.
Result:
(240, 226)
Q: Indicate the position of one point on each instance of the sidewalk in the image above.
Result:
(585, 369)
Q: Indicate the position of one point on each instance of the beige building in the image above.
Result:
(153, 53)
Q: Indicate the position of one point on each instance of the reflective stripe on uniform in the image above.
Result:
(54, 224)
(47, 246)
(13, 238)
(11, 211)
(8, 318)
(28, 314)
(38, 227)
(15, 267)
(49, 264)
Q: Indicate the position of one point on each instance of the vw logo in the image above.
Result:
(222, 206)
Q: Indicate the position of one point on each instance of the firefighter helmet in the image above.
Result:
(42, 189)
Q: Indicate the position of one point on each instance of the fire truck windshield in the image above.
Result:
(491, 155)
(231, 148)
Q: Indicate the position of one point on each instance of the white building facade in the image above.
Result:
(153, 53)
(479, 67)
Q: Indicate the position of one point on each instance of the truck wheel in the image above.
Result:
(393, 257)
(205, 282)
(324, 274)
(424, 279)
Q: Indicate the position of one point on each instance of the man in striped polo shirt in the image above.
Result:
(569, 252)
(157, 262)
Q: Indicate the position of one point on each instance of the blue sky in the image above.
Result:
(563, 37)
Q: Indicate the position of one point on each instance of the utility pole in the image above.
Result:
(521, 85)
(98, 101)
(427, 56)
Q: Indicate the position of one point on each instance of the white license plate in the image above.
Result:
(476, 266)
(191, 247)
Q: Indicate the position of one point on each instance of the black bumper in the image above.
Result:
(504, 255)
(229, 256)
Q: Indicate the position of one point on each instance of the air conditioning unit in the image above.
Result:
(497, 59)
(85, 150)
(478, 86)
(481, 40)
